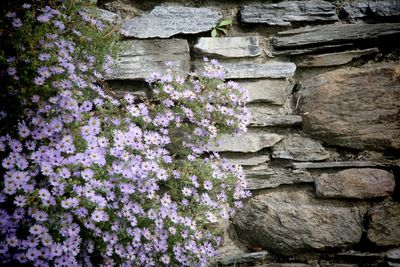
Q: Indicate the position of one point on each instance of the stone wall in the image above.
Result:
(322, 151)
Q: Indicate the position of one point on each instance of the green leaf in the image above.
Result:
(225, 22)
(225, 31)
(214, 33)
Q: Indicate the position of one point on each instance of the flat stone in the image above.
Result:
(355, 183)
(104, 15)
(384, 224)
(360, 255)
(340, 164)
(279, 120)
(245, 159)
(357, 108)
(123, 87)
(288, 221)
(228, 47)
(334, 59)
(244, 258)
(169, 20)
(299, 148)
(393, 264)
(333, 35)
(140, 58)
(283, 13)
(309, 50)
(247, 142)
(273, 91)
(371, 9)
(393, 254)
(263, 176)
(263, 70)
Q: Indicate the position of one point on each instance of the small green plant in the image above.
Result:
(221, 28)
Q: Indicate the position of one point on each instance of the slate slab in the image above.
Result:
(140, 58)
(274, 91)
(286, 12)
(168, 20)
(228, 47)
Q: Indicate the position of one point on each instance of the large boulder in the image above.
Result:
(291, 220)
(357, 108)
(355, 183)
(384, 224)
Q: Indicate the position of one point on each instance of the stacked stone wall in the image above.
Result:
(322, 150)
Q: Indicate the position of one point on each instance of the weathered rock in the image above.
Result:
(140, 58)
(228, 47)
(333, 35)
(393, 254)
(244, 258)
(122, 87)
(355, 255)
(299, 148)
(334, 59)
(265, 70)
(274, 91)
(168, 20)
(245, 159)
(357, 108)
(262, 176)
(309, 50)
(103, 14)
(355, 183)
(373, 9)
(340, 164)
(247, 142)
(260, 120)
(261, 116)
(283, 13)
(288, 221)
(384, 224)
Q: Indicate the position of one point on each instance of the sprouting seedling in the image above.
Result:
(221, 28)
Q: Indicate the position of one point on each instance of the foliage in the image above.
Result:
(221, 28)
(94, 180)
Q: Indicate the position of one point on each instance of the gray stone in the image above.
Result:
(393, 264)
(372, 9)
(299, 148)
(384, 224)
(168, 20)
(355, 183)
(357, 108)
(333, 34)
(263, 176)
(393, 254)
(103, 14)
(264, 70)
(244, 258)
(355, 255)
(274, 91)
(334, 59)
(260, 120)
(140, 58)
(283, 13)
(287, 221)
(247, 142)
(309, 50)
(245, 159)
(123, 87)
(340, 164)
(228, 47)
(284, 265)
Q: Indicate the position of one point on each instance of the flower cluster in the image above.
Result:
(90, 180)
